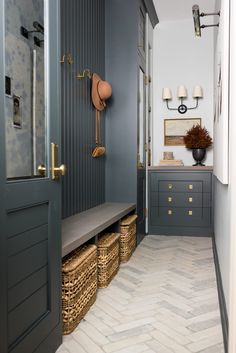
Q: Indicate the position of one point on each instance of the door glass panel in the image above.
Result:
(141, 127)
(25, 113)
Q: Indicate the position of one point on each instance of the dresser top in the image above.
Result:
(182, 168)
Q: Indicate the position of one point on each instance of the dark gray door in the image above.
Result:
(30, 210)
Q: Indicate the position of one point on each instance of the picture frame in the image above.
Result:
(175, 130)
(17, 112)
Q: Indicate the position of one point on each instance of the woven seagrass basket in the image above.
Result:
(128, 237)
(108, 258)
(79, 285)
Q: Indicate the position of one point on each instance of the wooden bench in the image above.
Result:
(80, 228)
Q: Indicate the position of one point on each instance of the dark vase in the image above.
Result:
(199, 154)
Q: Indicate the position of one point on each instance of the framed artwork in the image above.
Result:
(17, 116)
(175, 130)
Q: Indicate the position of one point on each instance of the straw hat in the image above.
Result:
(101, 91)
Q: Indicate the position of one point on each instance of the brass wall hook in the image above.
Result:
(62, 61)
(68, 58)
(86, 73)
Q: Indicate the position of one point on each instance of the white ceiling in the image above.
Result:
(174, 10)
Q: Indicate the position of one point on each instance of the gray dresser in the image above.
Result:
(180, 201)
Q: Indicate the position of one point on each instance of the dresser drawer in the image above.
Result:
(184, 217)
(180, 182)
(178, 199)
(180, 186)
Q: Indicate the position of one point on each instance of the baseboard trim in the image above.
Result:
(222, 302)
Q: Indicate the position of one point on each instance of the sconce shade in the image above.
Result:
(166, 94)
(182, 92)
(197, 92)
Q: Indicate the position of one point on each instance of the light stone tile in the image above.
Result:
(180, 312)
(99, 324)
(72, 346)
(158, 347)
(206, 343)
(137, 348)
(168, 342)
(126, 343)
(201, 335)
(173, 324)
(203, 325)
(134, 324)
(108, 309)
(181, 339)
(219, 348)
(62, 349)
(92, 332)
(163, 300)
(131, 332)
(87, 344)
(203, 317)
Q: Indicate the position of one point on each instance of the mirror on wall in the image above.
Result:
(25, 112)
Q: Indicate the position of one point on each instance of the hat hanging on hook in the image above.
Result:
(101, 91)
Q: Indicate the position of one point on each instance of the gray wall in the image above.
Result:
(83, 35)
(121, 118)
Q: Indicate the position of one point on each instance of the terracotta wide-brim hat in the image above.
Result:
(101, 91)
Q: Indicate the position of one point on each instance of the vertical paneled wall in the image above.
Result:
(122, 112)
(83, 36)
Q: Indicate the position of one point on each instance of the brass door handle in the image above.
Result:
(42, 170)
(60, 170)
(55, 170)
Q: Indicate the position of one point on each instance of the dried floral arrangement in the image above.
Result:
(197, 137)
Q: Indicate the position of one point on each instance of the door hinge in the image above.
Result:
(146, 80)
(146, 147)
(149, 109)
(149, 79)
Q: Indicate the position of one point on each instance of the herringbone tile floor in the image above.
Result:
(163, 300)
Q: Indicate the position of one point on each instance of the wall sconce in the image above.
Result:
(197, 22)
(182, 94)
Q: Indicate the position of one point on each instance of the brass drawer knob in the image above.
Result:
(170, 186)
(190, 213)
(169, 212)
(169, 199)
(190, 187)
(190, 199)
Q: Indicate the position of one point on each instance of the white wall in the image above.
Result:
(232, 178)
(222, 232)
(181, 58)
(225, 220)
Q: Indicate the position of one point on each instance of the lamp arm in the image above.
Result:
(203, 14)
(206, 26)
(167, 103)
(196, 106)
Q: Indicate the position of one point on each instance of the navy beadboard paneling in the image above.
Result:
(83, 36)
